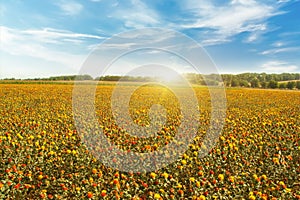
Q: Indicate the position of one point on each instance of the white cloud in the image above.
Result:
(225, 21)
(280, 50)
(137, 16)
(278, 44)
(282, 1)
(49, 34)
(278, 67)
(34, 43)
(70, 7)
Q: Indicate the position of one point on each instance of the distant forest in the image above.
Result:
(251, 80)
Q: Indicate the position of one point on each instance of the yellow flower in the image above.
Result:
(255, 176)
(19, 136)
(264, 177)
(288, 189)
(251, 197)
(202, 197)
(166, 175)
(221, 177)
(183, 162)
(91, 180)
(153, 175)
(231, 179)
(281, 183)
(156, 196)
(276, 161)
(40, 177)
(192, 179)
(78, 188)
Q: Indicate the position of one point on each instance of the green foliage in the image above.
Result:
(273, 84)
(282, 85)
(298, 85)
(290, 85)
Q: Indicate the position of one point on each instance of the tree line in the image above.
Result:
(251, 80)
(263, 80)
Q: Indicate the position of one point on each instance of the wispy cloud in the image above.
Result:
(34, 43)
(70, 7)
(278, 44)
(226, 21)
(280, 50)
(278, 67)
(138, 15)
(50, 34)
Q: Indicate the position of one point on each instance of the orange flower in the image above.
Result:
(231, 179)
(103, 193)
(200, 173)
(115, 181)
(180, 192)
(90, 195)
(94, 171)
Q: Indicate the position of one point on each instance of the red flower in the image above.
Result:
(17, 186)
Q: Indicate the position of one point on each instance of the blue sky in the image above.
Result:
(48, 38)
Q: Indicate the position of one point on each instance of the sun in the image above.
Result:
(169, 76)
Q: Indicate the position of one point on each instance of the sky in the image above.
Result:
(51, 38)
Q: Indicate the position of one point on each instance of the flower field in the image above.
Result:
(42, 156)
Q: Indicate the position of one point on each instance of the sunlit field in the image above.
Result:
(42, 156)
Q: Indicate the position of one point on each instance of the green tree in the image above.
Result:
(273, 84)
(290, 85)
(244, 83)
(235, 83)
(282, 85)
(255, 83)
(298, 85)
(263, 84)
